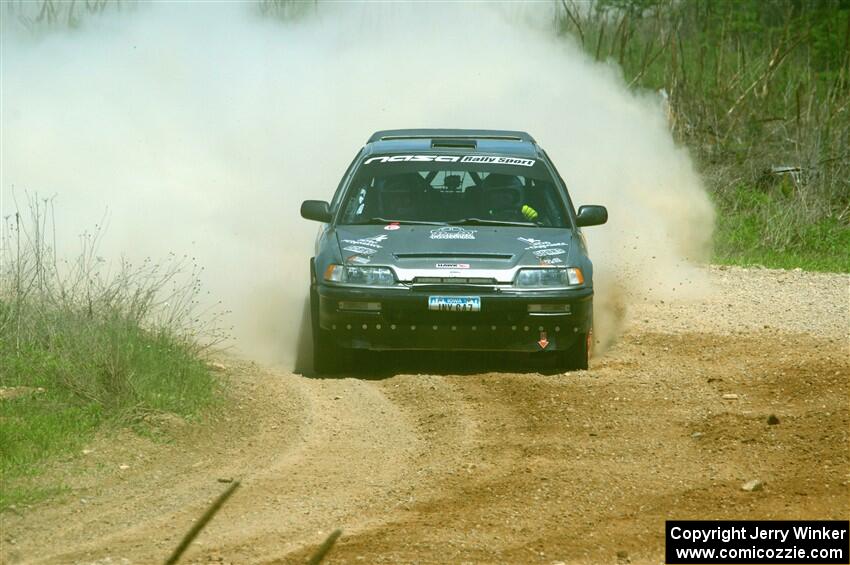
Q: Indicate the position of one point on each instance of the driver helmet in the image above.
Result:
(502, 192)
(401, 195)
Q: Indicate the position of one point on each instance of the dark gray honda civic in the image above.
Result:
(444, 239)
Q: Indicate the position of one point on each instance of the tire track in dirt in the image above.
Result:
(584, 467)
(312, 455)
(142, 512)
(358, 468)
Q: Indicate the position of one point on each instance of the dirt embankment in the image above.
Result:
(490, 466)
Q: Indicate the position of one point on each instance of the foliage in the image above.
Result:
(760, 92)
(81, 347)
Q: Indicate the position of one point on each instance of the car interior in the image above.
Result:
(449, 196)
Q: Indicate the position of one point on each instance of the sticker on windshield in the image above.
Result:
(549, 252)
(413, 158)
(482, 159)
(497, 160)
(452, 232)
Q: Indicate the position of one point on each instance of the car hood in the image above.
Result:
(493, 252)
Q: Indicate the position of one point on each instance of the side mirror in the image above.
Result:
(591, 216)
(318, 210)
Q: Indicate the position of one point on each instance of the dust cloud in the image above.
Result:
(201, 128)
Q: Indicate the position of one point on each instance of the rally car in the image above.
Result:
(450, 239)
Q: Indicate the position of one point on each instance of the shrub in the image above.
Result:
(80, 346)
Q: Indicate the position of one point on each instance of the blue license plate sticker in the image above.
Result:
(454, 303)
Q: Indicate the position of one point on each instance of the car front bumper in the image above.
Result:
(401, 320)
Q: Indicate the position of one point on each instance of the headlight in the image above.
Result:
(367, 276)
(542, 278)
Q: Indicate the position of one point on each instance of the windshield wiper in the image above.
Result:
(482, 222)
(388, 221)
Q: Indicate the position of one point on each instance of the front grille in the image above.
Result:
(454, 280)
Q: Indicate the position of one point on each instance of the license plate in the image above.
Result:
(454, 303)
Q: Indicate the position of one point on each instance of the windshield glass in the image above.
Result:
(459, 189)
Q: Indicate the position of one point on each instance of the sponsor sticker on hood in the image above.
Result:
(360, 249)
(548, 252)
(539, 243)
(452, 232)
(374, 241)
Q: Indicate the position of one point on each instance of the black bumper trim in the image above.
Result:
(504, 323)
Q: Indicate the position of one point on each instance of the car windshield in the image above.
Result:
(453, 189)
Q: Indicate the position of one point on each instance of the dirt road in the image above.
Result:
(491, 466)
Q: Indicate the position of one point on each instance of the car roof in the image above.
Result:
(507, 142)
(461, 133)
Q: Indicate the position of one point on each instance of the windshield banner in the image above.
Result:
(483, 159)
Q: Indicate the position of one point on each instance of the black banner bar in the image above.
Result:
(818, 542)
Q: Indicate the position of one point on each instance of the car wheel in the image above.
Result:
(327, 356)
(576, 357)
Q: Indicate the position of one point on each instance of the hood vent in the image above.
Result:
(446, 143)
(442, 256)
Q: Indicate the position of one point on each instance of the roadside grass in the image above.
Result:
(738, 242)
(83, 350)
(759, 228)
